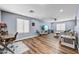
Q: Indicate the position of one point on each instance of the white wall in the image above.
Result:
(68, 25)
(10, 19)
(0, 15)
(77, 26)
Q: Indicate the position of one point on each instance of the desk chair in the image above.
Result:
(10, 41)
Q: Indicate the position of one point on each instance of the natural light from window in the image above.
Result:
(22, 26)
(61, 27)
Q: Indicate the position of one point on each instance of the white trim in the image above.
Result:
(26, 37)
(0, 15)
(78, 49)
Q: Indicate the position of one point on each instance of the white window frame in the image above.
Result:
(22, 26)
(60, 27)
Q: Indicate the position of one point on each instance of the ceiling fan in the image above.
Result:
(55, 19)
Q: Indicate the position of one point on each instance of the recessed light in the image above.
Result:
(61, 10)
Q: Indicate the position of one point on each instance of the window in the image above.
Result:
(61, 27)
(22, 26)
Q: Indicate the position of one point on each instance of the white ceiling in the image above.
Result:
(43, 11)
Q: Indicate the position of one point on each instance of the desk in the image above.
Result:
(4, 38)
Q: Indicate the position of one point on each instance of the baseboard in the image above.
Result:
(26, 37)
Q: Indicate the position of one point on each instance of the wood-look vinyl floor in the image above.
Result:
(46, 44)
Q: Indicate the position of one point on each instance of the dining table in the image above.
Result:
(3, 39)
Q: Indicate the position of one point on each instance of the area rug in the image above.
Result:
(19, 48)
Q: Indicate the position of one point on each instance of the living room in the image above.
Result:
(39, 29)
